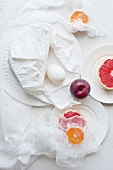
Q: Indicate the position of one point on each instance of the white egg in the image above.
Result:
(55, 73)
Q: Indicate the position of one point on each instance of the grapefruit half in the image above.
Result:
(106, 74)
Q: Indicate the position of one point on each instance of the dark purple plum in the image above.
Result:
(80, 88)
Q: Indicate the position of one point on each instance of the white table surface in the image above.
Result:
(102, 160)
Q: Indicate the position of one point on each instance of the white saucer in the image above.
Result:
(95, 114)
(90, 73)
(9, 81)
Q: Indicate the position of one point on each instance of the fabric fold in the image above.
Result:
(14, 119)
(22, 13)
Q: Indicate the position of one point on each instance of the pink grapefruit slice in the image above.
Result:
(71, 117)
(106, 74)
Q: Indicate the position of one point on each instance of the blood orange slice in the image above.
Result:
(75, 135)
(79, 15)
(106, 74)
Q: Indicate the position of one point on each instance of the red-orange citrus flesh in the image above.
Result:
(75, 135)
(106, 74)
(70, 114)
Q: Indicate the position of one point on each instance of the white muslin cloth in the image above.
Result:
(12, 128)
(29, 58)
(23, 134)
(20, 136)
(23, 12)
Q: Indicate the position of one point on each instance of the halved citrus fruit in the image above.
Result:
(106, 74)
(75, 135)
(79, 15)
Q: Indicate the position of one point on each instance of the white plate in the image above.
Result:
(90, 73)
(93, 112)
(9, 81)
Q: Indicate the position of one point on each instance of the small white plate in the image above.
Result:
(95, 114)
(90, 73)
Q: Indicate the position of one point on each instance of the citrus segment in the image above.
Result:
(70, 114)
(106, 74)
(75, 135)
(79, 15)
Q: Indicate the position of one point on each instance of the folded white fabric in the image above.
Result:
(25, 132)
(29, 57)
(49, 140)
(66, 154)
(14, 119)
(18, 134)
(22, 12)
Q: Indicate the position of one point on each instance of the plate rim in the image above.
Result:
(109, 47)
(89, 100)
